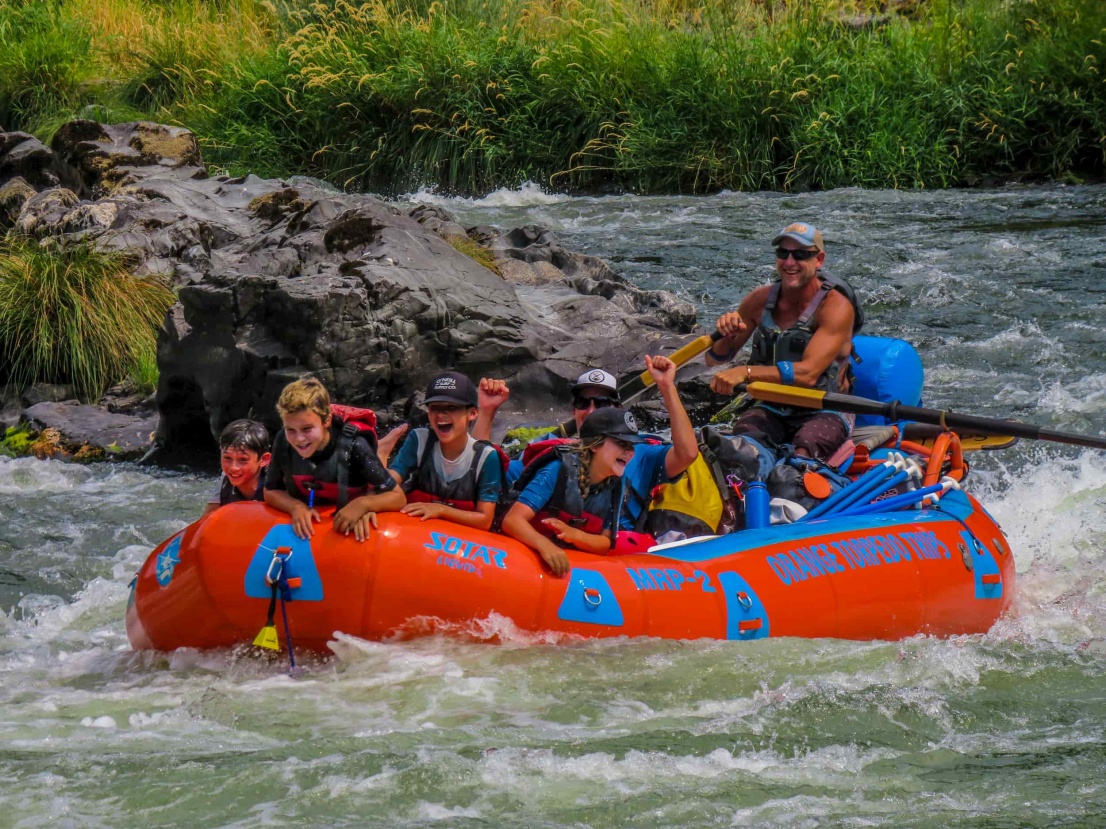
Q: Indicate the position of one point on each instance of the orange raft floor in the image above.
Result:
(939, 571)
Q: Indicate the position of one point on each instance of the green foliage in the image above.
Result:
(73, 314)
(41, 55)
(645, 95)
(475, 252)
(17, 441)
(520, 437)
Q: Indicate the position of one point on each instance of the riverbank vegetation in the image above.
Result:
(73, 314)
(643, 95)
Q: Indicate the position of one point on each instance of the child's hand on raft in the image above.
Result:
(555, 558)
(345, 522)
(424, 510)
(302, 518)
(662, 370)
(561, 530)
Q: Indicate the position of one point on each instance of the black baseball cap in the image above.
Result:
(451, 387)
(610, 422)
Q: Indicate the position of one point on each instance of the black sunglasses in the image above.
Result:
(581, 403)
(798, 255)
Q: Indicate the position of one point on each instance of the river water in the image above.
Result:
(1002, 291)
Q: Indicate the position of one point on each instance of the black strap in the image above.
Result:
(343, 454)
(812, 307)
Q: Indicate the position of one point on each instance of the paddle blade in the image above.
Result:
(974, 443)
(267, 638)
(786, 395)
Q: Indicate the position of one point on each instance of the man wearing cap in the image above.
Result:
(445, 472)
(801, 329)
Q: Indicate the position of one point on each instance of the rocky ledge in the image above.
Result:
(279, 278)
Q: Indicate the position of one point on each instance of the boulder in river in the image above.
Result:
(278, 278)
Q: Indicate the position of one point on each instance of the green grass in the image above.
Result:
(74, 314)
(639, 95)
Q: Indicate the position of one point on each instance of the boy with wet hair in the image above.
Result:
(243, 456)
(318, 459)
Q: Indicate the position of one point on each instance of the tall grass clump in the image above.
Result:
(639, 95)
(74, 314)
(42, 52)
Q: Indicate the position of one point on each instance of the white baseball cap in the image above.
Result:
(596, 378)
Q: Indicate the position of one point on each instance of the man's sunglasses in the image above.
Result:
(581, 403)
(798, 255)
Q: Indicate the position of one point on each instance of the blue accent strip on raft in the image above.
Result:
(300, 565)
(956, 503)
(726, 545)
(736, 612)
(167, 562)
(599, 608)
(983, 564)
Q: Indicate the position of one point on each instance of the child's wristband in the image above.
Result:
(787, 373)
(720, 357)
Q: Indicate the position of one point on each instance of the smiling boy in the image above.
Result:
(316, 459)
(243, 456)
(445, 472)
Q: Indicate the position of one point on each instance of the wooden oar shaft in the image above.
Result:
(635, 386)
(954, 421)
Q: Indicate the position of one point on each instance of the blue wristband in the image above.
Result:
(787, 373)
(720, 357)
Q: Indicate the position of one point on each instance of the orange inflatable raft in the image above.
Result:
(941, 571)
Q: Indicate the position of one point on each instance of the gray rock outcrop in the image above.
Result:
(278, 278)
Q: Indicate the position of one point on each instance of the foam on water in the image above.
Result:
(527, 194)
(1004, 728)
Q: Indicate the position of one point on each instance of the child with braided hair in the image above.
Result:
(575, 498)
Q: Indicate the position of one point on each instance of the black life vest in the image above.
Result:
(329, 477)
(425, 485)
(567, 504)
(230, 494)
(770, 345)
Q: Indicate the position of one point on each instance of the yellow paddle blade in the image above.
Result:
(786, 395)
(681, 356)
(973, 443)
(268, 638)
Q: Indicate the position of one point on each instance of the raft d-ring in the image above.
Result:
(744, 600)
(593, 597)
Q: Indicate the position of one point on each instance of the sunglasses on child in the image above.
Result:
(581, 403)
(797, 255)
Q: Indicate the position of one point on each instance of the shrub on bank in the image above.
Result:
(74, 314)
(646, 95)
